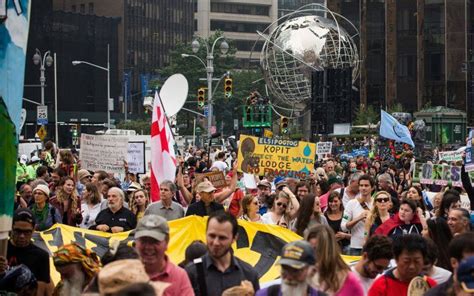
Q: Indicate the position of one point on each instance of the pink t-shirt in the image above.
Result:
(177, 277)
(351, 286)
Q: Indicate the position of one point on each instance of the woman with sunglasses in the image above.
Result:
(250, 207)
(379, 213)
(284, 209)
(90, 205)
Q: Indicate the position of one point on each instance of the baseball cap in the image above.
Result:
(205, 186)
(264, 183)
(134, 187)
(43, 188)
(334, 179)
(153, 226)
(82, 173)
(465, 274)
(297, 254)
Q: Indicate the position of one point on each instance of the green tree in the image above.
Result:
(225, 109)
(365, 116)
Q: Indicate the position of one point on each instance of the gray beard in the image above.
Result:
(73, 286)
(294, 290)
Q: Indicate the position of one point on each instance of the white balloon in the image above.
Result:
(173, 94)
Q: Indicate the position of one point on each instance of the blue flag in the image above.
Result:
(390, 128)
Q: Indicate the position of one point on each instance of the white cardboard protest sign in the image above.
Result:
(136, 157)
(450, 156)
(103, 152)
(323, 148)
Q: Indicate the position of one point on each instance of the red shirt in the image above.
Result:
(388, 285)
(177, 277)
(234, 206)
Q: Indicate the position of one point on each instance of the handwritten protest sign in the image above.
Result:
(216, 178)
(278, 157)
(323, 148)
(438, 174)
(450, 156)
(136, 157)
(103, 152)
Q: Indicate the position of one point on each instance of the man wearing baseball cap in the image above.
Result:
(206, 204)
(297, 262)
(151, 239)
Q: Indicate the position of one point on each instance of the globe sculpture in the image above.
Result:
(301, 44)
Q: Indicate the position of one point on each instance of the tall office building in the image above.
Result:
(148, 31)
(413, 52)
(239, 21)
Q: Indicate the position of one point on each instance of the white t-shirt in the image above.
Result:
(267, 219)
(366, 282)
(440, 275)
(89, 215)
(351, 212)
(222, 166)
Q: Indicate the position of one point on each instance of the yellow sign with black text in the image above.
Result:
(286, 158)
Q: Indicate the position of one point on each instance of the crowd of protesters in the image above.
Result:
(366, 206)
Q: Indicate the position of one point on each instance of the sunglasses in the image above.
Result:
(383, 200)
(280, 204)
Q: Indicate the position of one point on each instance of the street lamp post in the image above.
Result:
(224, 47)
(75, 63)
(46, 60)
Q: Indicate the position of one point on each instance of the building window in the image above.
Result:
(91, 8)
(237, 26)
(83, 8)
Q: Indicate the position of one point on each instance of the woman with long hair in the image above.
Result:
(250, 207)
(333, 215)
(139, 201)
(68, 202)
(66, 162)
(333, 276)
(283, 210)
(309, 214)
(438, 230)
(414, 193)
(403, 183)
(379, 213)
(451, 200)
(90, 205)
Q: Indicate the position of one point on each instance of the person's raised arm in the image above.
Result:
(221, 196)
(188, 196)
(294, 202)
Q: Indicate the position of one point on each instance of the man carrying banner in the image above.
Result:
(166, 207)
(22, 251)
(77, 266)
(297, 263)
(151, 238)
(115, 218)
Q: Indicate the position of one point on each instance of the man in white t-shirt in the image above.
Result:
(376, 256)
(355, 214)
(220, 164)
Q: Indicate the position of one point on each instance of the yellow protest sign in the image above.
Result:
(286, 158)
(257, 244)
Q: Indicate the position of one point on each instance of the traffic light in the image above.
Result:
(201, 97)
(284, 125)
(74, 130)
(228, 87)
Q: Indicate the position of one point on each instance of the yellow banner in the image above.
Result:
(286, 158)
(257, 244)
